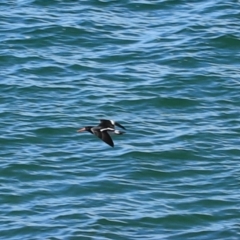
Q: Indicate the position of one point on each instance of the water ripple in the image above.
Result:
(174, 85)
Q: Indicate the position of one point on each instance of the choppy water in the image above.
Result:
(169, 71)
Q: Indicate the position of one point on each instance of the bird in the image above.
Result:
(103, 130)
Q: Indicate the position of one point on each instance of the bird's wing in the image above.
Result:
(106, 138)
(104, 123)
(119, 125)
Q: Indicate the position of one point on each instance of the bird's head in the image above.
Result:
(87, 128)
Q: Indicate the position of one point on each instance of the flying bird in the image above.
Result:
(103, 130)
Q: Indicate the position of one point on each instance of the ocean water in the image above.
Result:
(169, 71)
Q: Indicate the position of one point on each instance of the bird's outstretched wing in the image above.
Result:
(107, 139)
(104, 123)
(104, 136)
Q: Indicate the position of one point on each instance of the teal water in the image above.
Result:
(169, 71)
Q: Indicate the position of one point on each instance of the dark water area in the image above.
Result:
(169, 71)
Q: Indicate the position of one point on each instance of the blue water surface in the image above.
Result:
(166, 70)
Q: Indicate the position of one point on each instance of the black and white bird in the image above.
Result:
(103, 130)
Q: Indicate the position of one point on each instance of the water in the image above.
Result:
(166, 70)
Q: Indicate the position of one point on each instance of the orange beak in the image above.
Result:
(81, 130)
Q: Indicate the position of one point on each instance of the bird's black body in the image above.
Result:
(103, 129)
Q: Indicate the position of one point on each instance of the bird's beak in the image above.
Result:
(81, 130)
